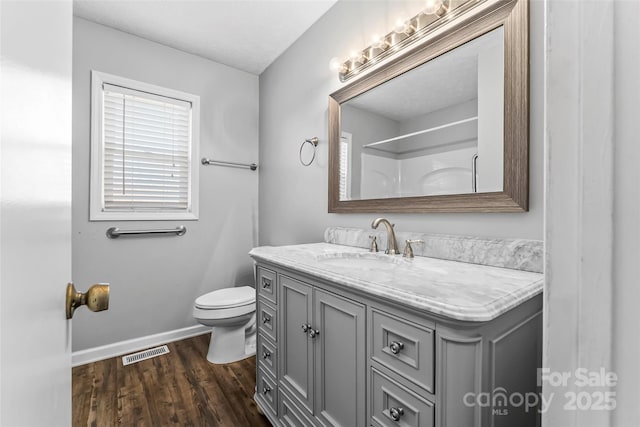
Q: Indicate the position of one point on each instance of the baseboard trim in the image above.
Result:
(95, 354)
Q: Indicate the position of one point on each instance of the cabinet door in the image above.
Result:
(296, 348)
(339, 364)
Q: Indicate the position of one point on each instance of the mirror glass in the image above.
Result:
(434, 130)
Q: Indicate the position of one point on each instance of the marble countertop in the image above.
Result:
(453, 289)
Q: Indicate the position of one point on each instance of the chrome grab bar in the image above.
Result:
(206, 161)
(115, 232)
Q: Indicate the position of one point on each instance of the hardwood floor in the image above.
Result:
(180, 388)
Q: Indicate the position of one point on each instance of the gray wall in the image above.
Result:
(293, 104)
(155, 280)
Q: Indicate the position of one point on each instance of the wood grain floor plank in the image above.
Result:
(181, 388)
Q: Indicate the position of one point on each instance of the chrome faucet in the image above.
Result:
(392, 243)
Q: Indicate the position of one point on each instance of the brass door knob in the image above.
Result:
(96, 298)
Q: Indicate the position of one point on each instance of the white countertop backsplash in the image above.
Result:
(454, 289)
(519, 254)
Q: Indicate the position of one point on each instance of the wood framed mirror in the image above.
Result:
(443, 126)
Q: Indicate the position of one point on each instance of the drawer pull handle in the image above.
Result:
(266, 354)
(267, 389)
(396, 413)
(305, 327)
(313, 333)
(396, 346)
(266, 318)
(266, 283)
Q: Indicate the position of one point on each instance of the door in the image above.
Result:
(296, 356)
(339, 371)
(35, 212)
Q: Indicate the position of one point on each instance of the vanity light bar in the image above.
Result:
(405, 33)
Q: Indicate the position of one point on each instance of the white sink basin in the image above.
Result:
(376, 261)
(361, 261)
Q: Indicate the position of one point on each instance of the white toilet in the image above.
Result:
(231, 312)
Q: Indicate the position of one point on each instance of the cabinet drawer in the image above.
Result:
(404, 347)
(267, 356)
(266, 284)
(290, 414)
(267, 320)
(267, 390)
(393, 405)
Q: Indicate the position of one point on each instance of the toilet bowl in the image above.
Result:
(231, 313)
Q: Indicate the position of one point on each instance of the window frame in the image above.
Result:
(96, 185)
(346, 138)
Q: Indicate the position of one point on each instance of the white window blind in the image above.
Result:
(345, 166)
(144, 151)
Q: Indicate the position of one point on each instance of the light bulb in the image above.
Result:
(432, 6)
(335, 64)
(401, 26)
(354, 56)
(404, 27)
(379, 42)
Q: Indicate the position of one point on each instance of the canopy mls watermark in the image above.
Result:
(587, 390)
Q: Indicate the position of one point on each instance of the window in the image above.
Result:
(345, 166)
(144, 151)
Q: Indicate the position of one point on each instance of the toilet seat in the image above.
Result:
(227, 298)
(231, 314)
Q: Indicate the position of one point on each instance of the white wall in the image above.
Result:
(155, 280)
(293, 104)
(626, 219)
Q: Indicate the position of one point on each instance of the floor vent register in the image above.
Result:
(144, 355)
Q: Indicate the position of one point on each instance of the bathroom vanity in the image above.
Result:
(354, 338)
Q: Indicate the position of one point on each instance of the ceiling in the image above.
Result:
(244, 34)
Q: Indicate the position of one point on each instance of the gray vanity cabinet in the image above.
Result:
(328, 356)
(322, 338)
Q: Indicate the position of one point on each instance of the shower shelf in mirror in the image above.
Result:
(386, 144)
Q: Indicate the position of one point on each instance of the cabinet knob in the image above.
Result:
(396, 346)
(396, 413)
(266, 354)
(305, 327)
(267, 389)
(266, 283)
(313, 333)
(266, 318)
